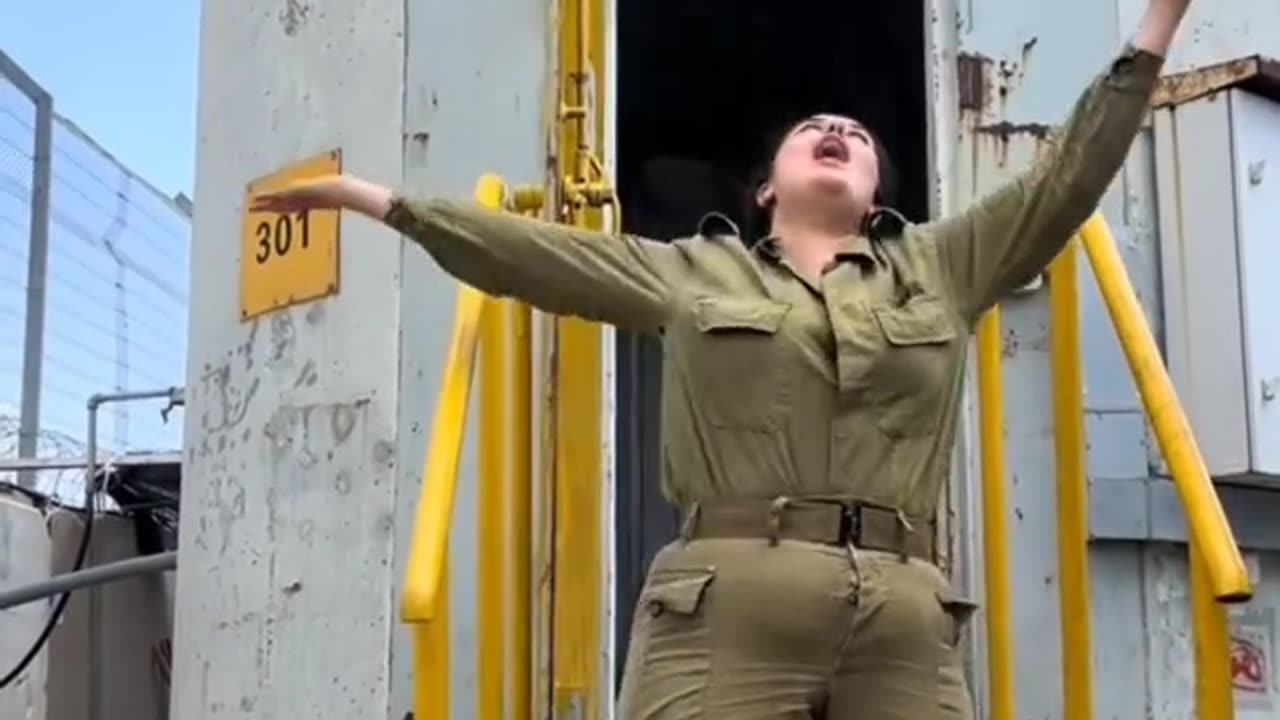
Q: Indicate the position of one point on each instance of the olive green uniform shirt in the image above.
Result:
(776, 384)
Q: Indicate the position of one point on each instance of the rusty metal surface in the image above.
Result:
(1255, 73)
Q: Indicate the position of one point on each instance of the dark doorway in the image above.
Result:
(701, 85)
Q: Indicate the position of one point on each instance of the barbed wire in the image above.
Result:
(66, 486)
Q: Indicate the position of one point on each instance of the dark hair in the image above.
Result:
(757, 220)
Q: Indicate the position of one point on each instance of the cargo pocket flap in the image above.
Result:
(681, 595)
(726, 314)
(922, 321)
(960, 608)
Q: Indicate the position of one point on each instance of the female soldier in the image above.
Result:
(810, 396)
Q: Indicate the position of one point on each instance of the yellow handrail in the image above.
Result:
(1073, 490)
(424, 599)
(1206, 519)
(1217, 571)
(501, 329)
(995, 521)
(429, 542)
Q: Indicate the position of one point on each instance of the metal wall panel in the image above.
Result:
(1203, 335)
(1255, 123)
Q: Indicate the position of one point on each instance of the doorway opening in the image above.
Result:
(701, 87)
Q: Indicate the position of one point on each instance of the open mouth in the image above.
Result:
(831, 148)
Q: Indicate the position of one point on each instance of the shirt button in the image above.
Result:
(654, 607)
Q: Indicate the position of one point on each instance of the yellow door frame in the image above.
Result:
(573, 523)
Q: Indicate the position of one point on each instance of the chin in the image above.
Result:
(831, 186)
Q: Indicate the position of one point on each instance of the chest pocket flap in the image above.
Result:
(923, 320)
(716, 314)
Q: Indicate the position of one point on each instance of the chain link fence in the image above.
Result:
(94, 271)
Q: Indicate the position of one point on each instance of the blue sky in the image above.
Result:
(123, 70)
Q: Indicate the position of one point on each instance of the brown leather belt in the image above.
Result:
(827, 522)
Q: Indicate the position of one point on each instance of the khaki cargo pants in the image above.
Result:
(760, 612)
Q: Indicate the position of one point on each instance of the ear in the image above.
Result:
(764, 194)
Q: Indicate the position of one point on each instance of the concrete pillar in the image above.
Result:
(306, 426)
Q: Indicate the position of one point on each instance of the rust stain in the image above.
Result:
(981, 79)
(971, 78)
(1000, 136)
(1186, 86)
(1003, 131)
(1255, 73)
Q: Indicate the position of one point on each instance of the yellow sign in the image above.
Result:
(288, 258)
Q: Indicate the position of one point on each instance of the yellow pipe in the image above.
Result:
(491, 530)
(995, 524)
(1212, 643)
(1073, 492)
(429, 542)
(1208, 523)
(520, 535)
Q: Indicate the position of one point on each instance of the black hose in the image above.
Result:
(82, 552)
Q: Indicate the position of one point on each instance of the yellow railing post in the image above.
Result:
(995, 522)
(1211, 644)
(1073, 491)
(520, 535)
(491, 541)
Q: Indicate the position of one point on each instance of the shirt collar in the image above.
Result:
(881, 224)
(715, 224)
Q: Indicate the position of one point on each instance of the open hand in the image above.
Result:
(322, 193)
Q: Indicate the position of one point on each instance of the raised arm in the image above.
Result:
(1009, 236)
(618, 279)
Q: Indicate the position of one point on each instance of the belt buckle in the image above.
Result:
(850, 524)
